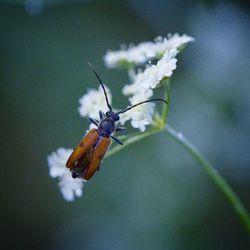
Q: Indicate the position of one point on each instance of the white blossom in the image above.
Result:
(134, 55)
(148, 79)
(176, 41)
(141, 115)
(145, 51)
(94, 101)
(142, 87)
(70, 188)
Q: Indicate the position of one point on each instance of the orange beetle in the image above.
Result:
(88, 154)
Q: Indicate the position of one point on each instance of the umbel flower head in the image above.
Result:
(145, 76)
(147, 80)
(70, 188)
(141, 115)
(91, 103)
(145, 51)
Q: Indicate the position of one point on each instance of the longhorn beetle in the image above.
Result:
(88, 154)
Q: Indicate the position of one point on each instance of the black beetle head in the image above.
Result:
(112, 115)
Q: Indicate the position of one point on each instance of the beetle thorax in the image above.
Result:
(106, 127)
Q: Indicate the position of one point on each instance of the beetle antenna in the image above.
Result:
(150, 100)
(100, 81)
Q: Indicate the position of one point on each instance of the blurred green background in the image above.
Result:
(151, 195)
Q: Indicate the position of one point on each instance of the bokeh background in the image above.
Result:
(151, 195)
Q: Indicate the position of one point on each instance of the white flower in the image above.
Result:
(142, 89)
(94, 101)
(145, 51)
(153, 74)
(57, 168)
(134, 55)
(176, 41)
(141, 115)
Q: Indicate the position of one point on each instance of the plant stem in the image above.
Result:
(167, 94)
(218, 180)
(132, 140)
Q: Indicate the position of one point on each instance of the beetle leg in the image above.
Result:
(101, 115)
(116, 140)
(119, 129)
(93, 121)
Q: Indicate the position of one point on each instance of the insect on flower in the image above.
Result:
(88, 154)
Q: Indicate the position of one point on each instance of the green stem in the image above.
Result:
(219, 181)
(167, 93)
(132, 140)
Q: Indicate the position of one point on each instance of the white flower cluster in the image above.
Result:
(70, 188)
(142, 89)
(145, 51)
(148, 79)
(94, 101)
(141, 115)
(144, 81)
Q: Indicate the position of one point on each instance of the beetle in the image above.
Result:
(86, 158)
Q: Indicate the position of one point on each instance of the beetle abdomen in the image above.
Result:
(83, 147)
(99, 152)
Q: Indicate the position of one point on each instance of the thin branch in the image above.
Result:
(132, 140)
(167, 93)
(218, 180)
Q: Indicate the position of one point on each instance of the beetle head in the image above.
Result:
(112, 115)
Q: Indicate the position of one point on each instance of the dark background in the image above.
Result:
(151, 195)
